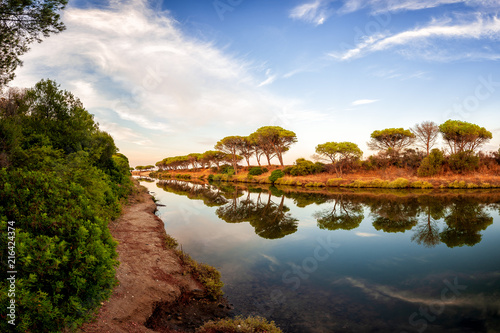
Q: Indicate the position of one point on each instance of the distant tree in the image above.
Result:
(258, 151)
(275, 138)
(194, 159)
(214, 156)
(426, 134)
(231, 145)
(391, 138)
(339, 153)
(246, 148)
(23, 22)
(462, 136)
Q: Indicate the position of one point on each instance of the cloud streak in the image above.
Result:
(364, 102)
(482, 28)
(316, 12)
(134, 66)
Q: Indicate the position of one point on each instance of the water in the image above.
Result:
(321, 261)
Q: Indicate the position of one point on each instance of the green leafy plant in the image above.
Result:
(275, 175)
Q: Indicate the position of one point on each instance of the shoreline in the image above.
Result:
(152, 276)
(390, 179)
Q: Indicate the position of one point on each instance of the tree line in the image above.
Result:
(393, 145)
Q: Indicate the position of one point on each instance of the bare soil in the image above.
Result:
(153, 289)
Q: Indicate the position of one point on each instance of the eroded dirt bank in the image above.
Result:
(150, 275)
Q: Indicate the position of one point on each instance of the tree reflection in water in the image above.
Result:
(345, 214)
(452, 219)
(269, 219)
(464, 221)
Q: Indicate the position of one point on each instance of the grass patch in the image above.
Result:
(207, 275)
(315, 184)
(171, 242)
(240, 325)
(421, 184)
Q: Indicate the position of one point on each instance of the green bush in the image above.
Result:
(65, 253)
(226, 169)
(275, 175)
(257, 171)
(304, 167)
(463, 162)
(61, 183)
(431, 165)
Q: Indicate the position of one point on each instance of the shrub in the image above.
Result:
(431, 165)
(463, 162)
(226, 169)
(275, 175)
(399, 183)
(421, 184)
(65, 253)
(304, 167)
(257, 171)
(334, 182)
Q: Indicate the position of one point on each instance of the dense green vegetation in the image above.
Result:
(61, 181)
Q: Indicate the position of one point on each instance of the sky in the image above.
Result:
(169, 78)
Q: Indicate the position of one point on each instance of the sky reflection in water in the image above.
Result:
(344, 262)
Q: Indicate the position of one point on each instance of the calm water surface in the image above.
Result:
(344, 261)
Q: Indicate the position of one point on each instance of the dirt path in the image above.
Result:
(149, 273)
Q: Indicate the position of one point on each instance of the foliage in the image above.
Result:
(61, 185)
(207, 275)
(239, 325)
(463, 162)
(462, 136)
(340, 153)
(393, 138)
(231, 145)
(257, 171)
(22, 23)
(431, 165)
(303, 167)
(275, 175)
(226, 169)
(274, 139)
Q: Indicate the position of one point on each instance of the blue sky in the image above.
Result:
(169, 78)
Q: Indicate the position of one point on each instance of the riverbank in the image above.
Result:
(153, 278)
(389, 178)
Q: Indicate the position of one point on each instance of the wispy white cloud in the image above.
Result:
(420, 39)
(391, 6)
(364, 101)
(316, 12)
(136, 67)
(270, 79)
